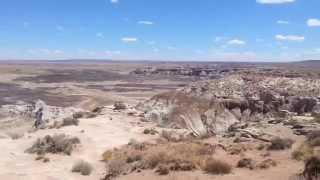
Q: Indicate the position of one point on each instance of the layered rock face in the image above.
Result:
(16, 115)
(211, 107)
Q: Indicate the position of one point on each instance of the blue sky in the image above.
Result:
(204, 30)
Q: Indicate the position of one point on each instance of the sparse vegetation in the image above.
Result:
(280, 144)
(15, 135)
(42, 158)
(312, 168)
(265, 164)
(150, 131)
(54, 144)
(163, 156)
(82, 167)
(119, 105)
(316, 117)
(246, 163)
(163, 170)
(215, 166)
(303, 152)
(313, 138)
(71, 121)
(306, 150)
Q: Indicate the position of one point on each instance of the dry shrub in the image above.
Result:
(54, 144)
(313, 135)
(280, 144)
(182, 156)
(115, 168)
(316, 117)
(119, 105)
(15, 135)
(83, 114)
(312, 168)
(174, 136)
(42, 158)
(306, 150)
(82, 167)
(313, 138)
(163, 170)
(150, 131)
(70, 121)
(303, 152)
(214, 166)
(246, 163)
(267, 164)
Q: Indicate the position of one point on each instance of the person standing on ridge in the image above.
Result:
(39, 115)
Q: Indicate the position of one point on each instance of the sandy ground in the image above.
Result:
(96, 135)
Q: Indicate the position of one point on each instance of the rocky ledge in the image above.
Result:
(212, 107)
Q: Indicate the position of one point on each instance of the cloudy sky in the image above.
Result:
(203, 30)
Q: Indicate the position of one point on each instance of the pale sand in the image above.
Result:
(99, 134)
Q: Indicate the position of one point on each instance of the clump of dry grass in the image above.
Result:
(215, 166)
(313, 138)
(15, 135)
(119, 105)
(172, 156)
(246, 163)
(312, 168)
(54, 144)
(115, 167)
(303, 152)
(42, 158)
(306, 149)
(280, 144)
(316, 117)
(71, 121)
(163, 170)
(265, 164)
(82, 167)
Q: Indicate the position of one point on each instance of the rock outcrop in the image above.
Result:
(24, 113)
(211, 107)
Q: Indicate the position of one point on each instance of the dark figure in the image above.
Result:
(38, 121)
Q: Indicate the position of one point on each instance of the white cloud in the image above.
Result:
(145, 22)
(313, 22)
(283, 22)
(114, 1)
(274, 1)
(289, 38)
(129, 39)
(99, 35)
(236, 42)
